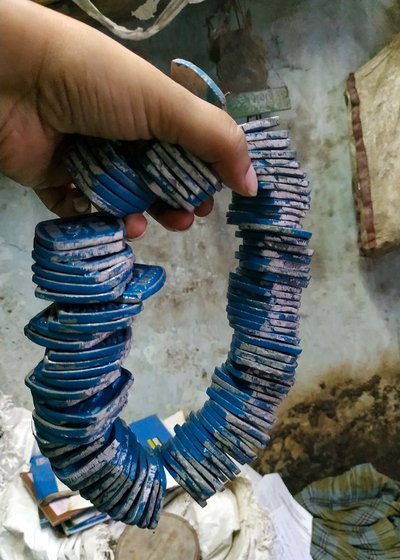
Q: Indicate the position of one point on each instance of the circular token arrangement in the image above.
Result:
(86, 269)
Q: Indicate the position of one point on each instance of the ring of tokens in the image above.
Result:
(84, 267)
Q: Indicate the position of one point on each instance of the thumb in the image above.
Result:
(100, 88)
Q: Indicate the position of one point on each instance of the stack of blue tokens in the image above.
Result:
(263, 304)
(120, 183)
(86, 269)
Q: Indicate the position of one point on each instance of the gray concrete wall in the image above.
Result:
(350, 313)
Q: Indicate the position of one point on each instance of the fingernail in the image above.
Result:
(136, 238)
(251, 182)
(81, 204)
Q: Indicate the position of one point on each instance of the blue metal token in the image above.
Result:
(79, 232)
(287, 179)
(88, 471)
(105, 185)
(232, 385)
(161, 493)
(148, 512)
(194, 193)
(237, 322)
(280, 230)
(96, 405)
(83, 180)
(59, 297)
(147, 492)
(110, 156)
(64, 397)
(275, 256)
(274, 275)
(68, 288)
(118, 511)
(202, 168)
(263, 366)
(269, 335)
(68, 454)
(283, 291)
(289, 267)
(182, 477)
(90, 278)
(75, 315)
(55, 326)
(206, 439)
(160, 175)
(232, 445)
(272, 303)
(136, 512)
(84, 253)
(266, 355)
(249, 343)
(59, 376)
(117, 343)
(272, 144)
(197, 463)
(146, 281)
(260, 124)
(93, 265)
(153, 185)
(255, 376)
(77, 383)
(269, 344)
(105, 495)
(194, 453)
(204, 448)
(219, 421)
(197, 178)
(262, 317)
(37, 332)
(256, 154)
(77, 435)
(100, 184)
(248, 433)
(127, 510)
(260, 135)
(247, 220)
(254, 413)
(197, 82)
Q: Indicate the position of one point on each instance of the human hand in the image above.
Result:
(59, 76)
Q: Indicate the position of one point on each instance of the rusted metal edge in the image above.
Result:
(361, 177)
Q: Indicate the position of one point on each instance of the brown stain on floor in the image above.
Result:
(346, 422)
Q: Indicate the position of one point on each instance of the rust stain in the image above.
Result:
(347, 421)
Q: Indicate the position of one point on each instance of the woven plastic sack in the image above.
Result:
(374, 110)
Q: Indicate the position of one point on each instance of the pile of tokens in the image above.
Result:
(86, 270)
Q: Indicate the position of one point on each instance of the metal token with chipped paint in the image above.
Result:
(200, 179)
(92, 265)
(107, 187)
(79, 232)
(197, 82)
(84, 253)
(146, 281)
(234, 447)
(69, 288)
(75, 315)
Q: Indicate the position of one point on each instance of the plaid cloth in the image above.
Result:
(356, 516)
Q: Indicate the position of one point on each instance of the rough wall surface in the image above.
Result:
(350, 313)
